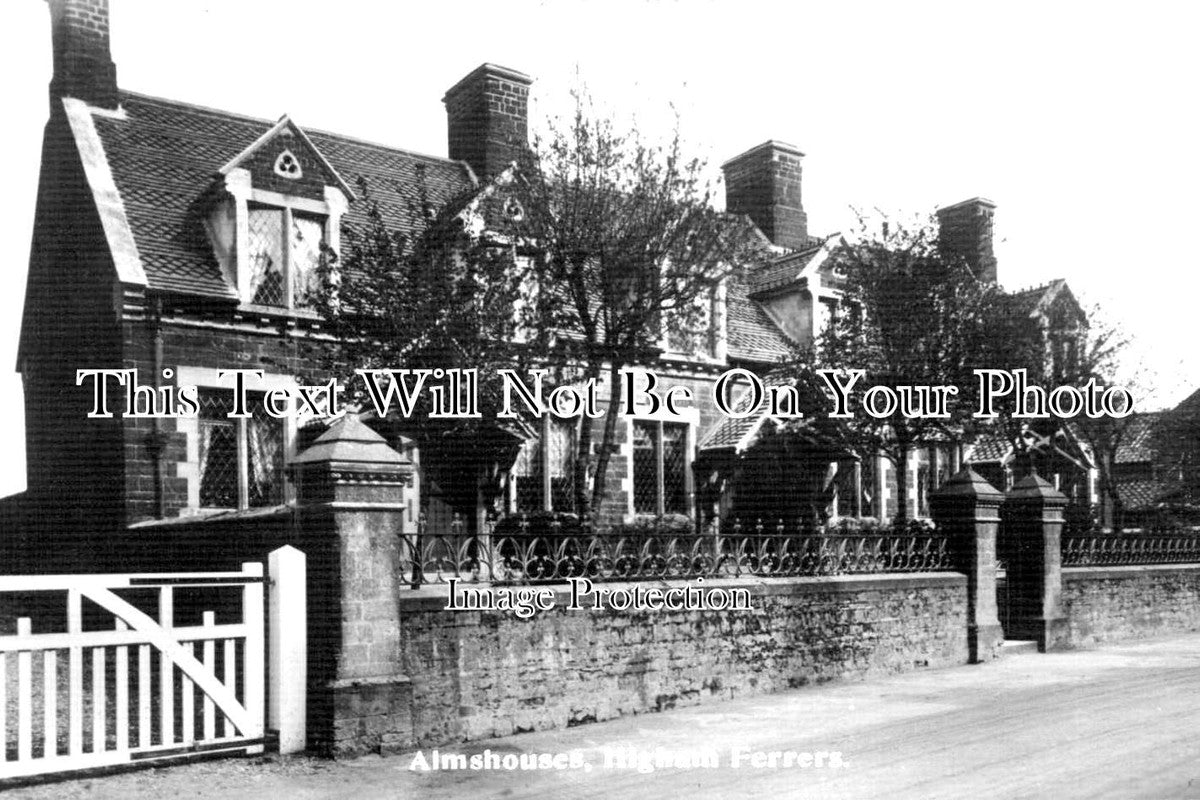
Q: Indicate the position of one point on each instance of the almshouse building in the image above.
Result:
(180, 241)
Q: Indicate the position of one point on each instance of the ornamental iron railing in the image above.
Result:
(1133, 547)
(521, 550)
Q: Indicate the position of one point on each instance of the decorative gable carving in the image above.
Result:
(285, 160)
(288, 166)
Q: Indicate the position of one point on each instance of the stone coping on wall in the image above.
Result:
(1125, 571)
(432, 597)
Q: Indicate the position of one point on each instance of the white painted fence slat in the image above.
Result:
(24, 696)
(210, 727)
(230, 680)
(187, 709)
(223, 663)
(50, 704)
(113, 638)
(166, 668)
(252, 611)
(122, 693)
(75, 675)
(99, 697)
(144, 696)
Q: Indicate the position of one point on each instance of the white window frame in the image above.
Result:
(240, 187)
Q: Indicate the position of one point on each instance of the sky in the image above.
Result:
(1079, 120)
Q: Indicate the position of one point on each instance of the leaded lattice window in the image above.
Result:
(645, 468)
(674, 465)
(266, 257)
(552, 452)
(241, 460)
(659, 468)
(218, 450)
(283, 270)
(307, 235)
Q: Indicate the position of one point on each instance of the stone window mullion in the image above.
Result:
(289, 281)
(243, 460)
(660, 468)
(544, 453)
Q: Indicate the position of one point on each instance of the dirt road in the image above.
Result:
(1120, 722)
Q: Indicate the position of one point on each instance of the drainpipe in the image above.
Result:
(158, 438)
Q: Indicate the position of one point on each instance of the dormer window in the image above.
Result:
(282, 206)
(700, 333)
(284, 251)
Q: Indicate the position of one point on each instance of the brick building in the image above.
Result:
(178, 241)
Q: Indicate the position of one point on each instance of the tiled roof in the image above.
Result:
(165, 154)
(1188, 411)
(1138, 442)
(990, 449)
(784, 270)
(1141, 495)
(752, 334)
(730, 431)
(1025, 301)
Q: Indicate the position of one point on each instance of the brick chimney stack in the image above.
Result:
(488, 118)
(965, 229)
(83, 66)
(764, 184)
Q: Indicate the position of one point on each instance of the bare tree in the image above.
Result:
(913, 316)
(1100, 350)
(626, 246)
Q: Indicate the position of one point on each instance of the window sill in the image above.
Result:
(254, 310)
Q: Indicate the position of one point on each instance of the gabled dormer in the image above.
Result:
(274, 205)
(802, 291)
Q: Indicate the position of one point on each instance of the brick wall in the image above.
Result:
(764, 183)
(965, 229)
(482, 674)
(83, 65)
(1105, 604)
(187, 344)
(314, 177)
(69, 324)
(488, 118)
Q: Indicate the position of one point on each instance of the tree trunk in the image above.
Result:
(606, 443)
(902, 483)
(583, 455)
(1108, 493)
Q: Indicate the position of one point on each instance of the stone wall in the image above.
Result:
(481, 674)
(1104, 604)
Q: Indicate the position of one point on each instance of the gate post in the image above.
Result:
(287, 667)
(967, 507)
(1033, 522)
(352, 507)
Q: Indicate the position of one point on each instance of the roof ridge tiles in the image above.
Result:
(1041, 287)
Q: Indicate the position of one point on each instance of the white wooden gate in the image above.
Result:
(114, 679)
